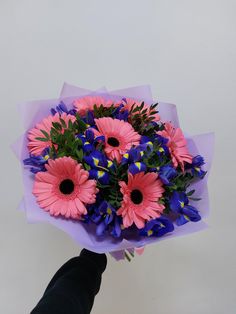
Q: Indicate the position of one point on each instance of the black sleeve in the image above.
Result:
(73, 288)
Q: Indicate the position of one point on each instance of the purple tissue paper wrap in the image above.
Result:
(85, 235)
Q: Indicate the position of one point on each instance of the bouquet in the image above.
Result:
(113, 169)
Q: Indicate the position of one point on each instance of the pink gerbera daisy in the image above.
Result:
(35, 146)
(86, 103)
(177, 145)
(119, 136)
(128, 103)
(140, 199)
(64, 188)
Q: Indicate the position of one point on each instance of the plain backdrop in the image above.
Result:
(186, 51)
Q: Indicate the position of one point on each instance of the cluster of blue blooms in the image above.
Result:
(37, 163)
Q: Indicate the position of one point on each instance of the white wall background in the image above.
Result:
(186, 50)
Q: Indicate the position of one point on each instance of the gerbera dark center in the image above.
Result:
(113, 141)
(67, 186)
(136, 196)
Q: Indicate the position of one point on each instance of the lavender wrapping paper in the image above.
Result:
(85, 235)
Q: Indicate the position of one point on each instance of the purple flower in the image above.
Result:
(121, 114)
(37, 162)
(166, 174)
(62, 108)
(105, 217)
(100, 175)
(195, 167)
(179, 204)
(89, 141)
(137, 167)
(157, 227)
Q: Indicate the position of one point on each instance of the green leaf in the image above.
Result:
(53, 132)
(79, 153)
(136, 108)
(190, 192)
(45, 134)
(195, 198)
(63, 123)
(142, 105)
(70, 125)
(57, 126)
(42, 139)
(86, 166)
(82, 125)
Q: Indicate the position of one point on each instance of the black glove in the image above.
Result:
(73, 288)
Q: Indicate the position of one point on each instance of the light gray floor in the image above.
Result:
(186, 50)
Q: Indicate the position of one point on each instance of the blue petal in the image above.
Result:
(137, 167)
(101, 228)
(144, 139)
(100, 138)
(134, 155)
(62, 107)
(116, 230)
(89, 135)
(96, 217)
(101, 176)
(110, 164)
(167, 173)
(96, 159)
(88, 147)
(181, 220)
(122, 115)
(157, 227)
(103, 207)
(90, 118)
(125, 158)
(108, 219)
(53, 111)
(191, 213)
(198, 161)
(175, 201)
(161, 140)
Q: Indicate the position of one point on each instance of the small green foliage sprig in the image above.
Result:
(64, 140)
(101, 111)
(111, 192)
(140, 118)
(151, 158)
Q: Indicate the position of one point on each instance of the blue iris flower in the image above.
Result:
(157, 227)
(100, 175)
(89, 141)
(133, 158)
(146, 143)
(137, 167)
(179, 204)
(37, 162)
(89, 118)
(105, 217)
(161, 140)
(62, 108)
(133, 155)
(195, 167)
(120, 114)
(166, 174)
(96, 159)
(163, 150)
(116, 227)
(100, 166)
